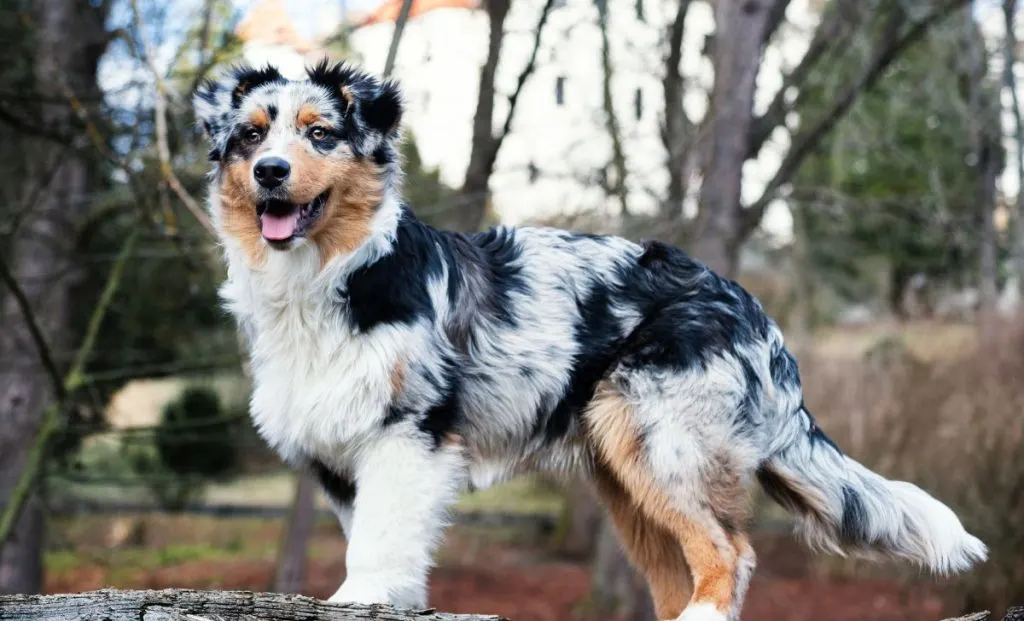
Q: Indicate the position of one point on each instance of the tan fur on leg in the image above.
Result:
(650, 548)
(709, 551)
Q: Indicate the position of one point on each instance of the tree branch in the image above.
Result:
(74, 379)
(823, 41)
(611, 119)
(677, 128)
(42, 348)
(892, 44)
(524, 75)
(403, 17)
(190, 605)
(160, 117)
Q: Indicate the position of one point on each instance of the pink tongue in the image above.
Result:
(278, 228)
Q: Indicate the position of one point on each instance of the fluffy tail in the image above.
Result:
(843, 506)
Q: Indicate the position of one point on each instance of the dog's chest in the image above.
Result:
(320, 388)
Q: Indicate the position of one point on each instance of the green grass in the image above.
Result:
(135, 559)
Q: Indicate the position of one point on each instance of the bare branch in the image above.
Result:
(160, 116)
(889, 48)
(834, 22)
(611, 119)
(524, 75)
(42, 348)
(403, 17)
(676, 131)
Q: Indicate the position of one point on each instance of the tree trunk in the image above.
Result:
(581, 522)
(70, 40)
(471, 202)
(740, 27)
(616, 588)
(677, 129)
(1010, 83)
(189, 605)
(291, 557)
(619, 187)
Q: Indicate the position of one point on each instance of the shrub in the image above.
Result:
(953, 426)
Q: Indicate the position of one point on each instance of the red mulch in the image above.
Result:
(517, 584)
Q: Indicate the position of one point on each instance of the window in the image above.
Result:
(533, 172)
(640, 10)
(638, 104)
(560, 90)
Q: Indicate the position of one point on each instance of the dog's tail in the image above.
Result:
(844, 507)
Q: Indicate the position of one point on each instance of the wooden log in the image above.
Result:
(192, 605)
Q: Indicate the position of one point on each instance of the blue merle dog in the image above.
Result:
(404, 364)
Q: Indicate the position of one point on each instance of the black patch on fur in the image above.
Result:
(394, 288)
(272, 112)
(383, 110)
(340, 489)
(778, 490)
(247, 79)
(498, 253)
(598, 337)
(441, 419)
(814, 433)
(854, 528)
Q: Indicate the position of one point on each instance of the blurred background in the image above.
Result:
(854, 163)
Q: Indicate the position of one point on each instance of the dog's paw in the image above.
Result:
(353, 593)
(702, 612)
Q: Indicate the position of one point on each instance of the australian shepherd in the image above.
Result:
(403, 364)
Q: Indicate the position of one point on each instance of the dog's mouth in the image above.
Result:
(282, 221)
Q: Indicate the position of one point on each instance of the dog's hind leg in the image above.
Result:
(653, 550)
(699, 507)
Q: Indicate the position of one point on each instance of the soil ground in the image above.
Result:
(478, 572)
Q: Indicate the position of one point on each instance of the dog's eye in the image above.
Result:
(318, 133)
(253, 135)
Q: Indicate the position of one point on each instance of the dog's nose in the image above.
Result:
(271, 172)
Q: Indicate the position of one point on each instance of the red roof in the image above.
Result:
(388, 11)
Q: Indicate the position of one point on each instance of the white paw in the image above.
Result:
(353, 593)
(702, 612)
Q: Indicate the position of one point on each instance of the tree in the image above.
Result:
(69, 38)
(470, 205)
(889, 182)
(731, 134)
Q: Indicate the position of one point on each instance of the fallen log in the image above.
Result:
(192, 605)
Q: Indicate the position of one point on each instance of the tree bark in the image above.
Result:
(291, 558)
(611, 120)
(1010, 83)
(616, 588)
(581, 522)
(189, 605)
(738, 45)
(70, 40)
(677, 130)
(471, 203)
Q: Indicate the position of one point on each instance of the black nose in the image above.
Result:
(271, 172)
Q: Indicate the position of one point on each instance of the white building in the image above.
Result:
(559, 147)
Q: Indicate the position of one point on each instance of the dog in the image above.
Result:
(403, 364)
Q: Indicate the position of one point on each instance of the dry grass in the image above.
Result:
(952, 422)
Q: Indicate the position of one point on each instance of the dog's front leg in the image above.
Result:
(404, 486)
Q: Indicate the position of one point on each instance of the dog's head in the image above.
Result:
(299, 161)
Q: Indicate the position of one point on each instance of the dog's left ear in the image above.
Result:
(382, 111)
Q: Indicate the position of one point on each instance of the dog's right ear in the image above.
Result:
(217, 99)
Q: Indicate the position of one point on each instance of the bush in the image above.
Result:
(952, 426)
(195, 437)
(194, 442)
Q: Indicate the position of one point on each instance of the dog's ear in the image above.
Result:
(382, 112)
(216, 100)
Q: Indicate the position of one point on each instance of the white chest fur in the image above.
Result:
(320, 388)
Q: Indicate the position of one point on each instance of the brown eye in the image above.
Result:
(252, 136)
(318, 133)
